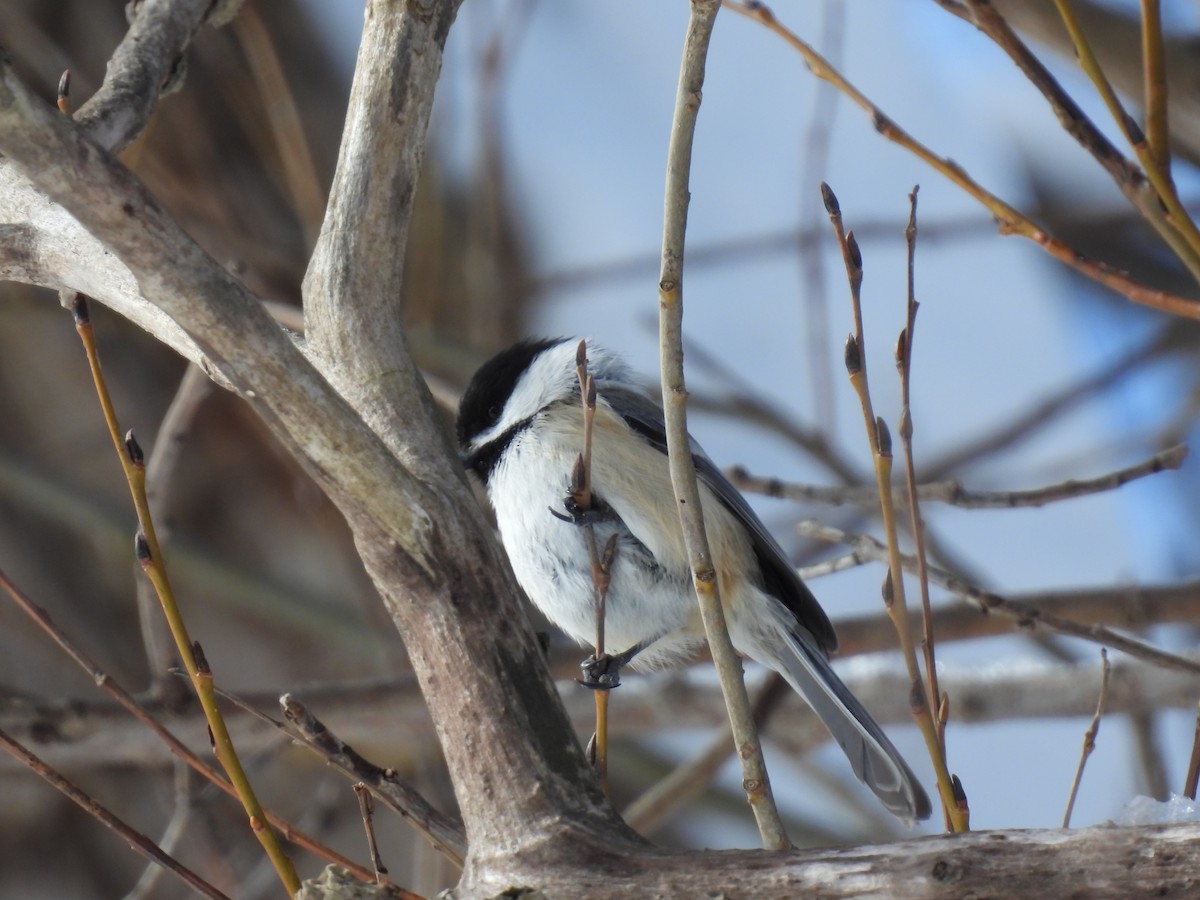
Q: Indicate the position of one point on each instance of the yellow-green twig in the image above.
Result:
(1154, 66)
(1009, 220)
(581, 495)
(150, 557)
(879, 437)
(1177, 228)
(938, 703)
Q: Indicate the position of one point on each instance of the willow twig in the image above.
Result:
(149, 556)
(1025, 614)
(954, 493)
(1131, 181)
(1008, 218)
(938, 703)
(880, 442)
(1154, 64)
(1089, 736)
(581, 499)
(135, 839)
(1150, 147)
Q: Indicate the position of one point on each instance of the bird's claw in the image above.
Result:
(598, 513)
(603, 673)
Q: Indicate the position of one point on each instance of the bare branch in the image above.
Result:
(1089, 736)
(1025, 615)
(220, 315)
(147, 65)
(755, 778)
(352, 297)
(955, 494)
(446, 834)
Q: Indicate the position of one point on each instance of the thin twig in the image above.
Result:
(1193, 770)
(1009, 219)
(953, 492)
(1151, 149)
(366, 808)
(937, 703)
(1154, 64)
(1131, 181)
(581, 498)
(880, 442)
(1130, 607)
(444, 833)
(149, 556)
(1089, 736)
(1025, 614)
(138, 841)
(674, 392)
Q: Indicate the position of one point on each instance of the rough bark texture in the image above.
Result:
(1103, 863)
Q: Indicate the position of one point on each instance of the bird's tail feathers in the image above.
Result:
(874, 759)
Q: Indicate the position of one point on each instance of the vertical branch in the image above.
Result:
(581, 501)
(1193, 770)
(1089, 736)
(949, 787)
(683, 469)
(1154, 68)
(937, 703)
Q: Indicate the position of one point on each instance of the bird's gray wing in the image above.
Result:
(779, 576)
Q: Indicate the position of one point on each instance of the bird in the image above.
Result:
(520, 428)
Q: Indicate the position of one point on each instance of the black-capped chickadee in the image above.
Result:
(520, 429)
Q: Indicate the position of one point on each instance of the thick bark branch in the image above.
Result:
(352, 301)
(519, 773)
(1102, 863)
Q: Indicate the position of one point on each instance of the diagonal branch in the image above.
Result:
(220, 315)
(146, 66)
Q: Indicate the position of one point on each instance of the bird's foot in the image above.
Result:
(604, 673)
(599, 513)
